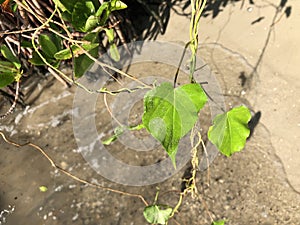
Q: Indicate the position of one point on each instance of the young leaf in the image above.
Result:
(118, 131)
(118, 5)
(220, 222)
(230, 130)
(157, 214)
(43, 188)
(5, 51)
(170, 113)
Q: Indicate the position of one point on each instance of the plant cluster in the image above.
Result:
(75, 30)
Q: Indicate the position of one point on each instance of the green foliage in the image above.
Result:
(82, 62)
(66, 53)
(85, 16)
(88, 15)
(230, 130)
(157, 214)
(81, 12)
(49, 45)
(9, 68)
(6, 77)
(170, 113)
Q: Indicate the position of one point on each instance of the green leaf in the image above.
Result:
(157, 214)
(48, 46)
(91, 23)
(220, 222)
(114, 53)
(110, 35)
(81, 12)
(92, 37)
(5, 51)
(7, 67)
(26, 44)
(118, 131)
(118, 5)
(170, 113)
(8, 73)
(57, 41)
(230, 130)
(43, 188)
(103, 13)
(113, 50)
(36, 60)
(6, 79)
(66, 16)
(82, 63)
(66, 53)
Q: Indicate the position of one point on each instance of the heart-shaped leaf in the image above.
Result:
(170, 113)
(157, 214)
(230, 130)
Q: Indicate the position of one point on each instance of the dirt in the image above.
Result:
(251, 187)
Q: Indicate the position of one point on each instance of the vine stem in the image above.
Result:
(197, 9)
(12, 107)
(109, 110)
(74, 177)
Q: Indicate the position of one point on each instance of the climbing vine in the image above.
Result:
(170, 112)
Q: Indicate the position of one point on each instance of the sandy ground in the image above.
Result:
(272, 47)
(258, 186)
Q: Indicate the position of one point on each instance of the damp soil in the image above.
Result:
(248, 188)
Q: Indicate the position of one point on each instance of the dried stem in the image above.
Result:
(53, 164)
